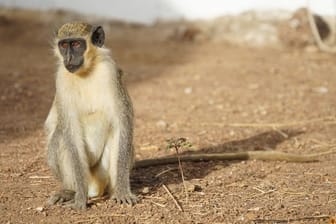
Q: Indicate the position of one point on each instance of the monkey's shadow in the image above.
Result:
(155, 176)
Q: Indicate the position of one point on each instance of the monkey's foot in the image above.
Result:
(61, 197)
(79, 202)
(124, 198)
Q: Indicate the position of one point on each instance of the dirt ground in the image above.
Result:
(221, 97)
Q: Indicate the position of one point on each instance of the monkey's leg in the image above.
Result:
(120, 149)
(74, 173)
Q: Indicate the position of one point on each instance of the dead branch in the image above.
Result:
(291, 219)
(247, 155)
(172, 197)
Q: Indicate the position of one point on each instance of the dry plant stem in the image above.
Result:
(291, 219)
(182, 175)
(322, 46)
(326, 121)
(172, 197)
(247, 155)
(280, 125)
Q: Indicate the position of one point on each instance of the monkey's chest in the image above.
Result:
(96, 130)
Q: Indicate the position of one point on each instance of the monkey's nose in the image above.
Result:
(68, 60)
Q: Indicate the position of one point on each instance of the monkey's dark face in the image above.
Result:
(74, 39)
(72, 50)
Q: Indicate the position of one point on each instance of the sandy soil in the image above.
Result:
(186, 89)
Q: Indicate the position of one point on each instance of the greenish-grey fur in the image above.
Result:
(125, 157)
(74, 29)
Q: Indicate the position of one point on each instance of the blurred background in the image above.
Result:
(147, 11)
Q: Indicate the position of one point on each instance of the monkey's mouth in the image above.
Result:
(72, 68)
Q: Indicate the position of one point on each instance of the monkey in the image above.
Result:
(89, 127)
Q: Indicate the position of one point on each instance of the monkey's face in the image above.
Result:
(76, 43)
(72, 51)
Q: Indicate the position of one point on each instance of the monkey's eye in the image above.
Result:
(64, 45)
(75, 44)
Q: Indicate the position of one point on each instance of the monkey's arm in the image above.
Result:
(257, 155)
(51, 121)
(53, 139)
(123, 140)
(78, 165)
(66, 154)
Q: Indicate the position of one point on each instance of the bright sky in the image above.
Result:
(149, 10)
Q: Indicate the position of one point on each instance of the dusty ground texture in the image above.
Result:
(196, 90)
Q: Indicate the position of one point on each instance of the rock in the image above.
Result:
(296, 31)
(145, 190)
(188, 90)
(39, 209)
(192, 187)
(321, 90)
(161, 124)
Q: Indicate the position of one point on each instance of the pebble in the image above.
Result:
(188, 90)
(145, 190)
(321, 89)
(161, 124)
(39, 209)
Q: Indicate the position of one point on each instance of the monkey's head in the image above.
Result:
(76, 45)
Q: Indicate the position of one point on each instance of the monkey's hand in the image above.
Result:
(61, 197)
(124, 197)
(69, 198)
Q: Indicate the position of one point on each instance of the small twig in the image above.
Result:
(89, 218)
(182, 175)
(177, 144)
(263, 193)
(290, 219)
(165, 171)
(158, 204)
(172, 197)
(155, 197)
(283, 134)
(39, 177)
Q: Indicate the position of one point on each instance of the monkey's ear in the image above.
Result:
(98, 36)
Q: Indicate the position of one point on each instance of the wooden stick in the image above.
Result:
(182, 175)
(172, 197)
(291, 219)
(247, 155)
(279, 125)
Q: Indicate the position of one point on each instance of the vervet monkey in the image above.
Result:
(90, 123)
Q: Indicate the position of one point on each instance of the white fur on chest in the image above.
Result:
(92, 100)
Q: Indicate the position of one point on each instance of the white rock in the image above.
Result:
(161, 124)
(188, 90)
(321, 89)
(39, 209)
